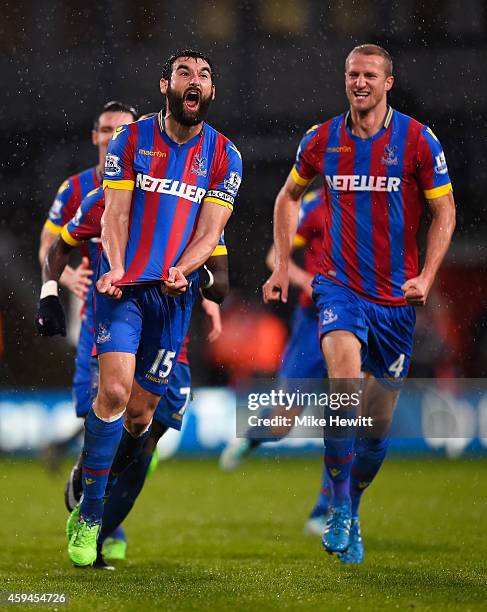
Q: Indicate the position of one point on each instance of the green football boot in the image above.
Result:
(82, 545)
(72, 521)
(153, 463)
(114, 549)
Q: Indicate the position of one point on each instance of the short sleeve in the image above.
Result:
(119, 161)
(86, 223)
(62, 204)
(432, 168)
(221, 247)
(304, 171)
(226, 180)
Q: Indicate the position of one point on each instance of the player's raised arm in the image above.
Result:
(50, 319)
(56, 260)
(286, 212)
(74, 279)
(82, 227)
(416, 289)
(298, 276)
(433, 178)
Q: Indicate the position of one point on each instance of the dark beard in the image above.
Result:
(177, 110)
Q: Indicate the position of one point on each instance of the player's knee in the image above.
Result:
(114, 395)
(139, 423)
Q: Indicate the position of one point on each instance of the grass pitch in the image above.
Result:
(201, 540)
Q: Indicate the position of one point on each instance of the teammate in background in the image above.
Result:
(125, 487)
(302, 356)
(176, 179)
(67, 201)
(379, 165)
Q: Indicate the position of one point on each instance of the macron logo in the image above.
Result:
(170, 187)
(363, 182)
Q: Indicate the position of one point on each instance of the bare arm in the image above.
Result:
(56, 260)
(439, 237)
(286, 213)
(297, 275)
(46, 240)
(218, 266)
(114, 237)
(76, 280)
(50, 319)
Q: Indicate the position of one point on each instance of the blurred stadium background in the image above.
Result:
(279, 70)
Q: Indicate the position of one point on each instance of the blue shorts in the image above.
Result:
(385, 332)
(172, 406)
(82, 379)
(302, 355)
(148, 324)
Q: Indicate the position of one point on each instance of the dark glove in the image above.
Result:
(50, 318)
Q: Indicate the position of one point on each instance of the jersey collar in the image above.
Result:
(170, 142)
(385, 125)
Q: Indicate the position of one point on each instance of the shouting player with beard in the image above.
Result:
(170, 185)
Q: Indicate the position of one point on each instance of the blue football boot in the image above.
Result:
(337, 530)
(316, 523)
(355, 551)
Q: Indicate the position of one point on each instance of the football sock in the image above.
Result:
(124, 493)
(369, 456)
(100, 445)
(128, 451)
(118, 534)
(338, 463)
(325, 489)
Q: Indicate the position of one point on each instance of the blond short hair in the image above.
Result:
(371, 49)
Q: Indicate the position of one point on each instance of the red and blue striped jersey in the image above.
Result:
(310, 234)
(376, 189)
(69, 196)
(170, 182)
(86, 223)
(84, 230)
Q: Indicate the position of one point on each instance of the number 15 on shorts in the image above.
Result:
(163, 363)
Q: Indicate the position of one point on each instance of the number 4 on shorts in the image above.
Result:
(397, 367)
(166, 357)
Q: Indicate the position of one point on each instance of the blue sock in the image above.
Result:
(323, 501)
(100, 445)
(128, 451)
(325, 490)
(124, 493)
(118, 533)
(369, 456)
(338, 463)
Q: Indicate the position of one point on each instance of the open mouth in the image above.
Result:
(192, 99)
(361, 95)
